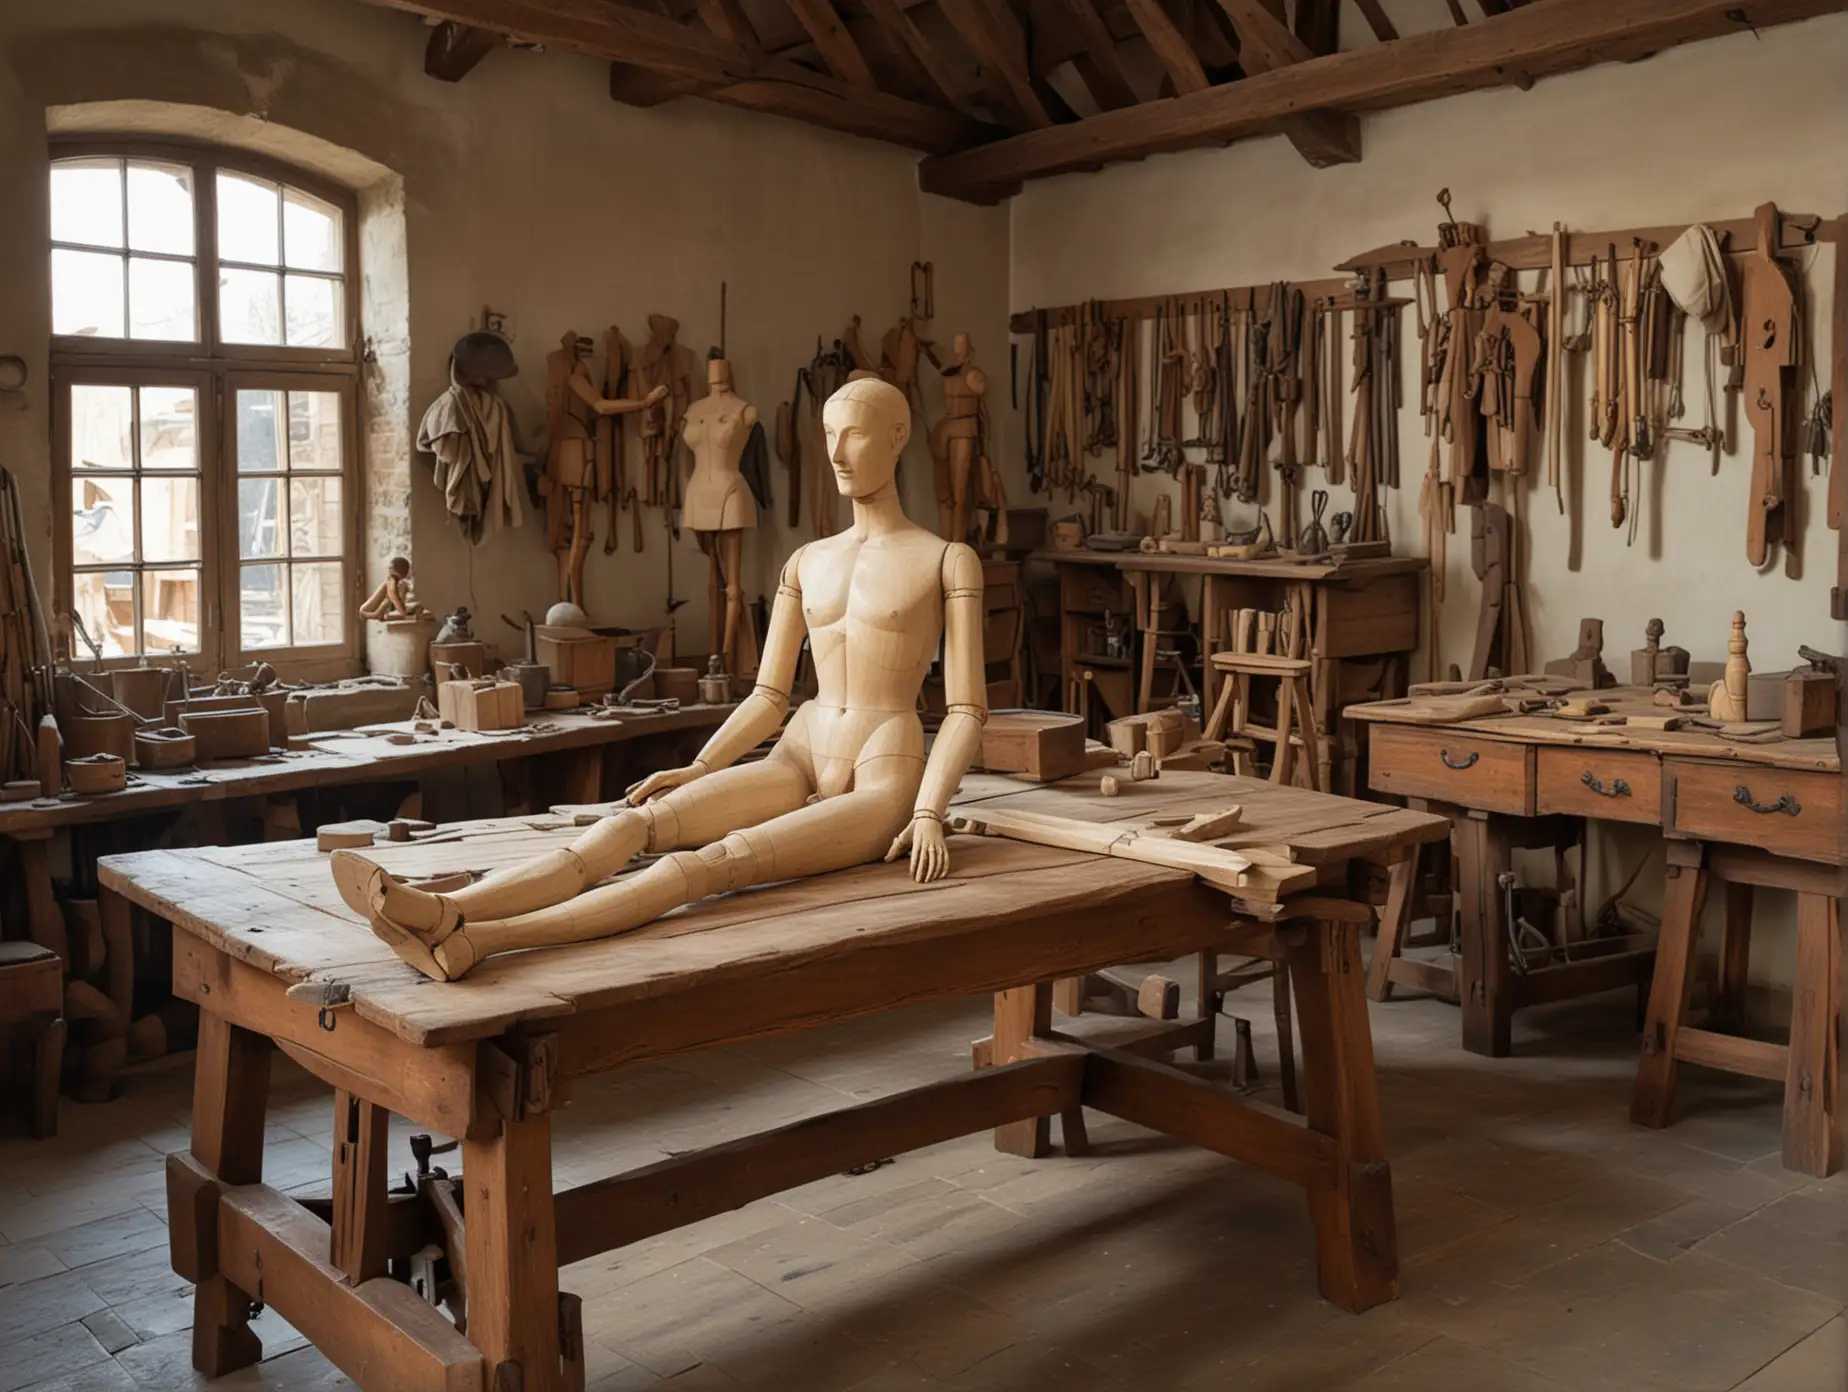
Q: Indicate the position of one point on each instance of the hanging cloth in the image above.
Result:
(470, 431)
(1695, 276)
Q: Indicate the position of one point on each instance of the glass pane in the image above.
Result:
(247, 220)
(310, 232)
(102, 519)
(313, 311)
(314, 430)
(86, 201)
(259, 432)
(259, 519)
(169, 520)
(86, 294)
(262, 607)
(160, 208)
(104, 603)
(169, 426)
(102, 419)
(170, 611)
(314, 517)
(160, 299)
(319, 613)
(249, 307)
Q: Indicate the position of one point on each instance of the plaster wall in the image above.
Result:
(524, 188)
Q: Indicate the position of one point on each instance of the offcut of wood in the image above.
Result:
(228, 734)
(348, 836)
(1043, 745)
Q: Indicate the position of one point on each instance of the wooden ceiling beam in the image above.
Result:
(994, 36)
(727, 19)
(454, 50)
(1177, 56)
(737, 77)
(1323, 138)
(1534, 40)
(1097, 61)
(1377, 20)
(905, 35)
(836, 46)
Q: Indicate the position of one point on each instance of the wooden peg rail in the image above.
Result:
(1242, 298)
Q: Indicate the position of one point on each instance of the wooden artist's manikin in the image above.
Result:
(719, 506)
(957, 440)
(846, 781)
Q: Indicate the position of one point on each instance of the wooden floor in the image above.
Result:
(1546, 1243)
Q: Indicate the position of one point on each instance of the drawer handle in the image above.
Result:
(1786, 803)
(1449, 763)
(1618, 787)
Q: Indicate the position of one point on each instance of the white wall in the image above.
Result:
(1708, 131)
(525, 188)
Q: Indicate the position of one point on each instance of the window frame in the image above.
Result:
(217, 369)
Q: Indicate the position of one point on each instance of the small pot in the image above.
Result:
(534, 679)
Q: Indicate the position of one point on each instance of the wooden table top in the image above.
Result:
(344, 757)
(275, 906)
(1369, 568)
(1817, 753)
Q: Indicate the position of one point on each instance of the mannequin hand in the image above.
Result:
(659, 394)
(930, 857)
(657, 783)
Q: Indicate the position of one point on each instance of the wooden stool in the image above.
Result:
(32, 992)
(1808, 1064)
(1295, 712)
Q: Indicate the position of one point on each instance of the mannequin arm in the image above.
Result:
(618, 406)
(761, 713)
(959, 738)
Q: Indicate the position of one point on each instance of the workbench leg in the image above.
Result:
(1286, 1041)
(1488, 980)
(1019, 1015)
(47, 1071)
(513, 1306)
(1401, 873)
(1812, 1086)
(230, 1099)
(356, 1242)
(44, 919)
(1209, 640)
(1654, 1097)
(1356, 1240)
(1207, 1001)
(1735, 953)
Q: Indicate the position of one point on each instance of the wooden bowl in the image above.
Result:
(97, 773)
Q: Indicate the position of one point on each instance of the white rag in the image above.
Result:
(1694, 273)
(470, 431)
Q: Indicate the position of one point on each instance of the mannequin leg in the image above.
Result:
(715, 591)
(833, 834)
(962, 459)
(413, 920)
(731, 568)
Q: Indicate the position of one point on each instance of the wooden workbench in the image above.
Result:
(487, 1058)
(1363, 620)
(1745, 814)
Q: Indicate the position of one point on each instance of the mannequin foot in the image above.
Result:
(412, 921)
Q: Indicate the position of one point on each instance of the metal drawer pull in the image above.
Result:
(1470, 762)
(1618, 787)
(1787, 803)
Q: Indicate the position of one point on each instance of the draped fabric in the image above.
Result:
(470, 431)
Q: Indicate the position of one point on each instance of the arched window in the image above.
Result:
(204, 308)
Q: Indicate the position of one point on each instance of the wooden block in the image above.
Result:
(481, 705)
(347, 836)
(1209, 826)
(676, 684)
(587, 662)
(19, 790)
(1809, 704)
(228, 734)
(403, 828)
(458, 661)
(165, 749)
(1764, 695)
(348, 707)
(1044, 745)
(1158, 998)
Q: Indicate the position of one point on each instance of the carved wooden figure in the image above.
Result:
(719, 506)
(392, 599)
(847, 780)
(956, 442)
(1769, 336)
(573, 408)
(1726, 698)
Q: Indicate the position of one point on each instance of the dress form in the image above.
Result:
(847, 779)
(719, 507)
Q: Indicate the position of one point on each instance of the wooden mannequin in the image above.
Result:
(956, 443)
(666, 365)
(573, 407)
(1726, 698)
(719, 506)
(392, 599)
(847, 779)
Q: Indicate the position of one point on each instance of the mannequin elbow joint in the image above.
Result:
(977, 713)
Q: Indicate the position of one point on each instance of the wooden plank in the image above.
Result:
(1568, 980)
(1207, 1114)
(836, 46)
(1654, 1095)
(1375, 15)
(512, 1243)
(614, 1212)
(380, 1334)
(1730, 1053)
(454, 50)
(1559, 36)
(1171, 47)
(905, 35)
(1438, 977)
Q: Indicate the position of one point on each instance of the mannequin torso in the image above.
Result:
(717, 427)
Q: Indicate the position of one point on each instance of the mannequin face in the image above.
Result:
(867, 426)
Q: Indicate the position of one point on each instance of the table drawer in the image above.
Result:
(1093, 590)
(1786, 811)
(1453, 766)
(1599, 783)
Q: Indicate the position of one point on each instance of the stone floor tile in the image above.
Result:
(687, 1315)
(110, 1330)
(1667, 1235)
(1444, 1363)
(120, 1235)
(108, 1376)
(1817, 1364)
(25, 1261)
(34, 1307)
(61, 1352)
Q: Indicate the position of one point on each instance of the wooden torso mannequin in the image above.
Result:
(847, 779)
(720, 509)
(956, 441)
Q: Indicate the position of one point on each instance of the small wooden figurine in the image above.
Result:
(392, 600)
(847, 781)
(1654, 663)
(959, 446)
(1726, 699)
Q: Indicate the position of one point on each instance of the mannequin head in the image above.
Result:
(718, 375)
(963, 348)
(868, 423)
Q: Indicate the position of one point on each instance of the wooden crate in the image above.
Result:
(481, 705)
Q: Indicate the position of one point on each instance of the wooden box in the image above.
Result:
(348, 707)
(1044, 745)
(457, 661)
(228, 734)
(481, 705)
(588, 663)
(1809, 704)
